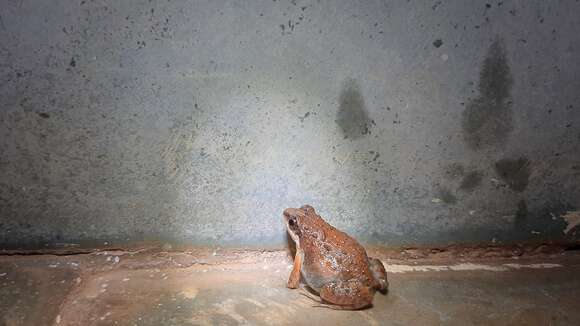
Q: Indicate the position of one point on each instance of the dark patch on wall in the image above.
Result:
(446, 196)
(514, 172)
(521, 214)
(437, 43)
(487, 120)
(352, 116)
(471, 180)
(306, 115)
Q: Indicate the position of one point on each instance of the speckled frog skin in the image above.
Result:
(332, 263)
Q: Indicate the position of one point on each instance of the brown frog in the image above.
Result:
(332, 263)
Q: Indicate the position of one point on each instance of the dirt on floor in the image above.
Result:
(212, 286)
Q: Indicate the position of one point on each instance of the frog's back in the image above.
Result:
(333, 255)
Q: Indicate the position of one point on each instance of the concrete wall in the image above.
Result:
(402, 122)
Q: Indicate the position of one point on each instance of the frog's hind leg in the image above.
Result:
(318, 300)
(347, 295)
(379, 274)
(305, 292)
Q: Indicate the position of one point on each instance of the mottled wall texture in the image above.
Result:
(402, 122)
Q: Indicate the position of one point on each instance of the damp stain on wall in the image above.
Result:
(471, 180)
(521, 214)
(514, 172)
(352, 116)
(487, 119)
(446, 196)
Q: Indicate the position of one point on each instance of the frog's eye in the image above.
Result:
(308, 208)
(292, 221)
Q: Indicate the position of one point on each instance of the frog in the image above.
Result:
(332, 263)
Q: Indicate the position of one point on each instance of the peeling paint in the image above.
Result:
(573, 220)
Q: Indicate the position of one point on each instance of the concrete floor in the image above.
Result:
(230, 287)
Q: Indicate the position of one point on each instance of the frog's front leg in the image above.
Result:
(294, 279)
(348, 295)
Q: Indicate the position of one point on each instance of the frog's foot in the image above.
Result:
(347, 295)
(319, 302)
(310, 295)
(333, 307)
(379, 274)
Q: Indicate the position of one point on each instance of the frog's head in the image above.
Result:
(297, 220)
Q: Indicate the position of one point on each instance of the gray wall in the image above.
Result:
(402, 122)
